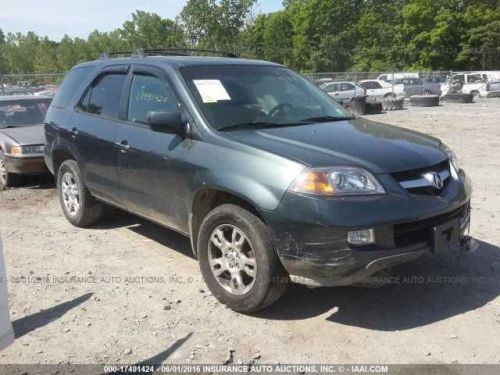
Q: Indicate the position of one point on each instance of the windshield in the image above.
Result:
(22, 113)
(249, 95)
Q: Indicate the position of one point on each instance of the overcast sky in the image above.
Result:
(55, 18)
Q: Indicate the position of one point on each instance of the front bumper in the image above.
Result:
(310, 234)
(25, 164)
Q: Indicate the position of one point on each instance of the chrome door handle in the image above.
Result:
(123, 146)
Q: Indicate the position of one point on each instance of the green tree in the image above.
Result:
(216, 24)
(4, 67)
(149, 30)
(324, 33)
(21, 51)
(481, 39)
(378, 46)
(270, 37)
(45, 59)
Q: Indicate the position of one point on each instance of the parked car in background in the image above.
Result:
(343, 91)
(418, 86)
(15, 91)
(270, 179)
(6, 330)
(47, 91)
(472, 82)
(490, 90)
(377, 90)
(388, 77)
(21, 137)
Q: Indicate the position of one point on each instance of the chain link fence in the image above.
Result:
(414, 83)
(423, 82)
(30, 84)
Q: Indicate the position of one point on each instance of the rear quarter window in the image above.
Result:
(71, 83)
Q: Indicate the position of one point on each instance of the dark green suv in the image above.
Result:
(270, 179)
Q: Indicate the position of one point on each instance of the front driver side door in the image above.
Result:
(152, 169)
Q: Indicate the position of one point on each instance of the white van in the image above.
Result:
(6, 331)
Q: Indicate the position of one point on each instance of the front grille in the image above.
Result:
(415, 181)
(414, 232)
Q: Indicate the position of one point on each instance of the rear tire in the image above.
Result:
(225, 259)
(79, 206)
(6, 179)
(458, 97)
(424, 100)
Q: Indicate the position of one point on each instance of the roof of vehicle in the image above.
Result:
(178, 61)
(351, 82)
(11, 98)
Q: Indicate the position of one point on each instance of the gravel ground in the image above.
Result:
(127, 290)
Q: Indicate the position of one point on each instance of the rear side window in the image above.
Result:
(148, 94)
(71, 83)
(103, 97)
(332, 88)
(346, 87)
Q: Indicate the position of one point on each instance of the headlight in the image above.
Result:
(451, 156)
(26, 150)
(337, 181)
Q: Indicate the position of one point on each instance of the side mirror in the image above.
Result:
(169, 122)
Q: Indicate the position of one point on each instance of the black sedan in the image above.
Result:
(21, 137)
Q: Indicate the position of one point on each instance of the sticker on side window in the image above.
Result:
(211, 90)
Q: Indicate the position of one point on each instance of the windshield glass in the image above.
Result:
(249, 95)
(22, 113)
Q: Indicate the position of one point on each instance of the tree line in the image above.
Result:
(308, 35)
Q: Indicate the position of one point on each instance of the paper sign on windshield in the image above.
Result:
(211, 90)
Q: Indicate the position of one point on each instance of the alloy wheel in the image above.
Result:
(232, 259)
(70, 194)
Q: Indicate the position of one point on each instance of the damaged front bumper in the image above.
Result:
(310, 234)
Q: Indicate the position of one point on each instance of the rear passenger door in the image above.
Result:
(152, 169)
(93, 130)
(346, 91)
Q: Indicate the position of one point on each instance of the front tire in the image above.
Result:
(6, 179)
(79, 206)
(238, 261)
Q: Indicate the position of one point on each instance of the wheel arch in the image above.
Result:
(206, 199)
(59, 156)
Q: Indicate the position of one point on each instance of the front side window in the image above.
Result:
(262, 96)
(149, 94)
(103, 97)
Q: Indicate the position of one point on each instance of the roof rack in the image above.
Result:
(143, 52)
(180, 52)
(109, 55)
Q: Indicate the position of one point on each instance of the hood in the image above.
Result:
(377, 147)
(26, 135)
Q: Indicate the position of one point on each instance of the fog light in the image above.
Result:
(361, 237)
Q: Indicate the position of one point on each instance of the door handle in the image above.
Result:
(123, 146)
(74, 132)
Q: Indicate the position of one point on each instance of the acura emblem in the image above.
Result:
(437, 181)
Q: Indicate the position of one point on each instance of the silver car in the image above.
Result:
(418, 86)
(343, 91)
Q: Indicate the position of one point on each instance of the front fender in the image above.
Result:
(261, 178)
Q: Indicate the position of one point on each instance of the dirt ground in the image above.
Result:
(129, 291)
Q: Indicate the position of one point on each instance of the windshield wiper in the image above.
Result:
(326, 119)
(259, 124)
